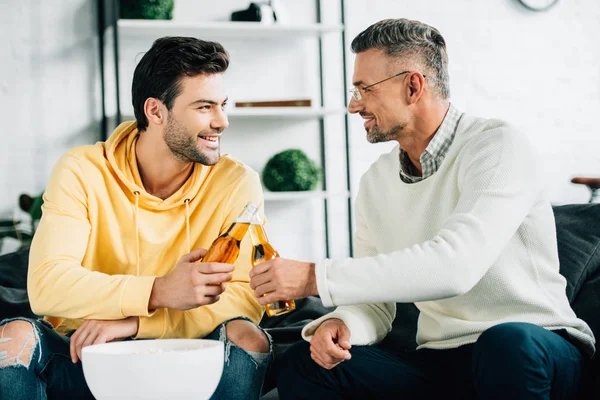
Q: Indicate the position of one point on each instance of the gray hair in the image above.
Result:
(403, 37)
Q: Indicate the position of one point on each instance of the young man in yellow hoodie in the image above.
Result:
(112, 258)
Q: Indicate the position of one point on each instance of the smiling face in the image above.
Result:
(383, 106)
(197, 119)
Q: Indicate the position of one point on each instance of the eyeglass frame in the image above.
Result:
(355, 92)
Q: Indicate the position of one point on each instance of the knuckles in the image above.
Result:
(196, 280)
(211, 268)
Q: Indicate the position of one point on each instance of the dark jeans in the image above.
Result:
(509, 361)
(52, 375)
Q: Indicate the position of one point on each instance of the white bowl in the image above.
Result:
(153, 369)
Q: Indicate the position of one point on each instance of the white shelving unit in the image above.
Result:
(282, 113)
(158, 28)
(301, 196)
(276, 124)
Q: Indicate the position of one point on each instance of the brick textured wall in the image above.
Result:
(48, 89)
(539, 71)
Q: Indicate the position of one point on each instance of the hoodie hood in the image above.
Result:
(119, 151)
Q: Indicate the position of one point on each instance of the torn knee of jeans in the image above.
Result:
(226, 343)
(256, 357)
(18, 340)
(247, 336)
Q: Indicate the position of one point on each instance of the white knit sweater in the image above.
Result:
(473, 246)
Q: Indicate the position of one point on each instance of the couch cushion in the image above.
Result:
(13, 285)
(578, 236)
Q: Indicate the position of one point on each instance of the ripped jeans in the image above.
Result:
(244, 372)
(50, 374)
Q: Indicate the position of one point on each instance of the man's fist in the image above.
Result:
(330, 344)
(190, 284)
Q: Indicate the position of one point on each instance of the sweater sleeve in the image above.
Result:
(58, 285)
(238, 299)
(498, 185)
(368, 323)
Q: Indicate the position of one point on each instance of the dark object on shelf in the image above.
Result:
(291, 170)
(276, 103)
(146, 9)
(254, 13)
(593, 184)
(32, 205)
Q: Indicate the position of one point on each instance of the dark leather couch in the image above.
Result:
(578, 233)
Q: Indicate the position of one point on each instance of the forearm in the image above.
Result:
(65, 289)
(368, 323)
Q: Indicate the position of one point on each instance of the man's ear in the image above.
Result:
(415, 87)
(154, 110)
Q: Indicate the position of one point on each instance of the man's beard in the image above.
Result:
(184, 145)
(376, 135)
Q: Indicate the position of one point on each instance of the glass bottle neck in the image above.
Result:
(237, 230)
(258, 234)
(247, 214)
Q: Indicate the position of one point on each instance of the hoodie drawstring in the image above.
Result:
(137, 231)
(187, 224)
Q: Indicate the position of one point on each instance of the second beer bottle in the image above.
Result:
(263, 251)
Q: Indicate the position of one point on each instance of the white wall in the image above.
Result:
(48, 89)
(539, 71)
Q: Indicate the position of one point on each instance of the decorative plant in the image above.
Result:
(21, 232)
(147, 9)
(290, 170)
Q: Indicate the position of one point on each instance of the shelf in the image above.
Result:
(268, 112)
(298, 196)
(282, 112)
(226, 29)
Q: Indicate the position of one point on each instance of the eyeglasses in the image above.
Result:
(355, 92)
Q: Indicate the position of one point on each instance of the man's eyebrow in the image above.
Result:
(357, 83)
(209, 101)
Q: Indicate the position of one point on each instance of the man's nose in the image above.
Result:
(354, 106)
(220, 121)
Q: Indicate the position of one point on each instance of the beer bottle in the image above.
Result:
(263, 251)
(226, 248)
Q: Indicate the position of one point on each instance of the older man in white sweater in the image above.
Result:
(453, 220)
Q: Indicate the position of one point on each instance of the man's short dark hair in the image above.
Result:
(160, 70)
(399, 38)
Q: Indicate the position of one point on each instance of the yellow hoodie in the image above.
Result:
(103, 239)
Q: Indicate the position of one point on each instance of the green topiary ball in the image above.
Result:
(147, 9)
(291, 170)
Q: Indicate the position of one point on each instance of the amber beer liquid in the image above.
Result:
(226, 248)
(263, 251)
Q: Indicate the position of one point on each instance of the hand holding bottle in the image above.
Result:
(190, 284)
(282, 279)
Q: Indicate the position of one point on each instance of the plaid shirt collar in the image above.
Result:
(436, 151)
